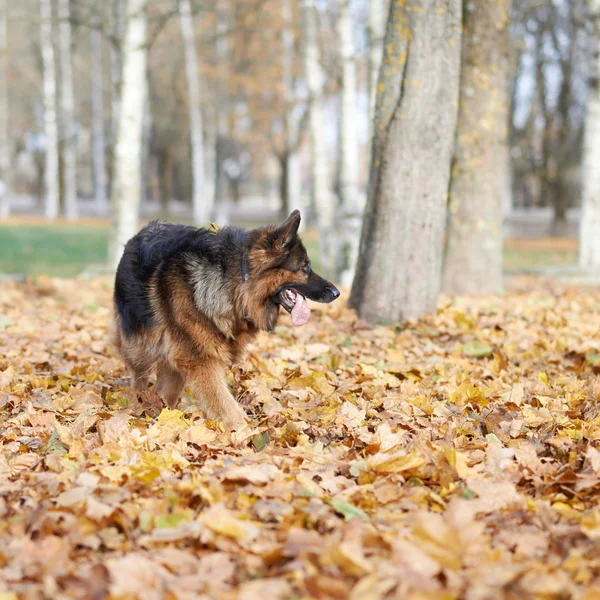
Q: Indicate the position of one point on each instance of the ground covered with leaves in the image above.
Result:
(455, 457)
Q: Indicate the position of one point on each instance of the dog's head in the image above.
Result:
(280, 274)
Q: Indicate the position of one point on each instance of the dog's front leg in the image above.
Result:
(207, 382)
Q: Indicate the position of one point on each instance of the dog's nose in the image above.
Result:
(335, 293)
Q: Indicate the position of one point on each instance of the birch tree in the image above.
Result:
(322, 197)
(117, 26)
(98, 137)
(4, 136)
(589, 241)
(126, 187)
(68, 112)
(480, 174)
(399, 268)
(290, 160)
(49, 98)
(349, 169)
(201, 201)
(375, 32)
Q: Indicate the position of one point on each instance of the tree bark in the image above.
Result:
(589, 236)
(322, 196)
(221, 197)
(480, 173)
(98, 139)
(290, 165)
(68, 112)
(117, 23)
(352, 205)
(49, 97)
(4, 134)
(126, 188)
(201, 202)
(376, 31)
(399, 267)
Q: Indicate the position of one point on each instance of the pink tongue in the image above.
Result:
(300, 312)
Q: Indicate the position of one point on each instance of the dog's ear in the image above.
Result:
(287, 231)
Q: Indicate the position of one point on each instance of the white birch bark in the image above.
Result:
(221, 199)
(4, 135)
(292, 175)
(49, 99)
(117, 23)
(352, 205)
(68, 112)
(126, 187)
(589, 235)
(201, 201)
(322, 195)
(376, 31)
(98, 139)
(399, 268)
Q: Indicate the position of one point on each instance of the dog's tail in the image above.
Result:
(114, 333)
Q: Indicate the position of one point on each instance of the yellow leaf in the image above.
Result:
(590, 524)
(395, 463)
(224, 522)
(170, 414)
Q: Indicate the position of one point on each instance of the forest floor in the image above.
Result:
(454, 457)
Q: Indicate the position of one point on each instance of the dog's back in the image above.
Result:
(142, 256)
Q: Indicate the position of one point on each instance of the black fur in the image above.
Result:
(159, 247)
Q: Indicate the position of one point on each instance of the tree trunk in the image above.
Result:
(291, 164)
(221, 199)
(376, 31)
(201, 202)
(399, 268)
(352, 204)
(4, 135)
(322, 197)
(49, 96)
(117, 19)
(68, 110)
(480, 173)
(589, 236)
(165, 171)
(126, 188)
(98, 141)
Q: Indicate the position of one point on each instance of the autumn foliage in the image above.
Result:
(454, 457)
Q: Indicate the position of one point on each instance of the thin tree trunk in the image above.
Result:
(291, 164)
(399, 267)
(117, 18)
(165, 170)
(147, 126)
(68, 110)
(322, 197)
(376, 32)
(352, 205)
(201, 202)
(480, 173)
(221, 201)
(126, 188)
(98, 141)
(49, 96)
(4, 135)
(589, 235)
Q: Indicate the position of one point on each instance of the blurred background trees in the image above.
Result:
(239, 111)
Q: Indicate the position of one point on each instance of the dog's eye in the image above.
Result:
(306, 268)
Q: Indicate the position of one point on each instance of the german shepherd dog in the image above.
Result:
(188, 301)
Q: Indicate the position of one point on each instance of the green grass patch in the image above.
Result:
(68, 250)
(56, 251)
